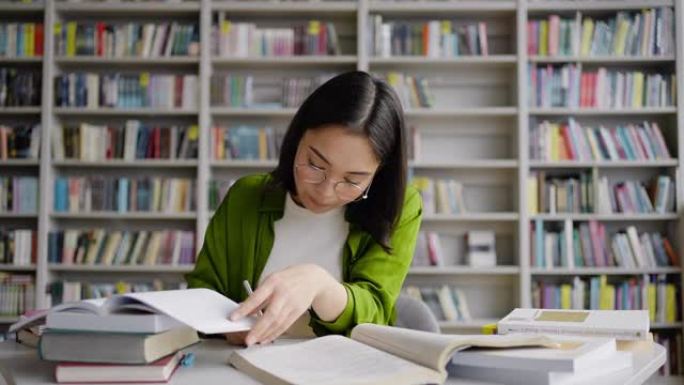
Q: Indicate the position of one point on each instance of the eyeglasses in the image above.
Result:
(346, 191)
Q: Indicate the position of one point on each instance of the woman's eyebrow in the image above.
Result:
(318, 153)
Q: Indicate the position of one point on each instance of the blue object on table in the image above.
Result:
(188, 359)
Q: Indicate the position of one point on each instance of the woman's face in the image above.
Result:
(332, 168)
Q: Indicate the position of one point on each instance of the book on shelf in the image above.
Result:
(649, 32)
(632, 197)
(429, 251)
(551, 141)
(588, 245)
(131, 39)
(584, 360)
(126, 90)
(413, 90)
(673, 346)
(649, 292)
(611, 324)
(244, 39)
(433, 38)
(122, 194)
(72, 291)
(244, 91)
(122, 248)
(17, 293)
(20, 141)
(481, 248)
(441, 196)
(446, 303)
(19, 194)
(203, 310)
(21, 39)
(18, 247)
(134, 140)
(80, 372)
(246, 142)
(20, 87)
(374, 354)
(566, 193)
(568, 85)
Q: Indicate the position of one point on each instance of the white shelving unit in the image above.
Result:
(497, 122)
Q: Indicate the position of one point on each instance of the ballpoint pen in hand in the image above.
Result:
(248, 288)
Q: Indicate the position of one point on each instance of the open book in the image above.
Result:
(202, 309)
(374, 354)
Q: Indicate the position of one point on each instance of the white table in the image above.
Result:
(22, 365)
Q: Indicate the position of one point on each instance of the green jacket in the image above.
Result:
(239, 239)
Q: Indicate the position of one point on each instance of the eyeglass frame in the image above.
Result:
(364, 192)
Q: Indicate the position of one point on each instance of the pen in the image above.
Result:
(248, 288)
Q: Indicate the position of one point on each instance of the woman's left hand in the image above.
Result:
(285, 296)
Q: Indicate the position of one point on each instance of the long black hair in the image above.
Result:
(363, 105)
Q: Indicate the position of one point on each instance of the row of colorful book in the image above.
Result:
(559, 194)
(241, 90)
(17, 293)
(588, 245)
(433, 38)
(119, 248)
(20, 141)
(649, 32)
(126, 90)
(20, 87)
(446, 303)
(123, 194)
(652, 292)
(243, 39)
(19, 194)
(131, 39)
(21, 39)
(413, 91)
(478, 249)
(633, 197)
(441, 196)
(246, 142)
(550, 141)
(134, 140)
(18, 247)
(571, 86)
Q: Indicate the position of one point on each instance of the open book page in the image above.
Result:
(330, 360)
(434, 350)
(202, 309)
(94, 306)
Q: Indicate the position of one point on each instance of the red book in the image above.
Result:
(99, 38)
(38, 39)
(674, 259)
(79, 372)
(156, 154)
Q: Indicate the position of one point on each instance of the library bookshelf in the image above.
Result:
(477, 132)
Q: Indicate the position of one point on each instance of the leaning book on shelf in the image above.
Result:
(374, 354)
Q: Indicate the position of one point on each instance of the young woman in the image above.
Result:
(326, 238)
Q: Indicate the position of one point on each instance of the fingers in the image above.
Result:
(253, 303)
(265, 324)
(288, 320)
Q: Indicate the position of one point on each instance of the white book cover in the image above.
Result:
(620, 324)
(579, 355)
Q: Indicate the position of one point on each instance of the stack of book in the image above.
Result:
(413, 91)
(446, 303)
(20, 87)
(442, 196)
(19, 141)
(21, 39)
(134, 337)
(17, 292)
(593, 347)
(18, 247)
(19, 194)
(246, 142)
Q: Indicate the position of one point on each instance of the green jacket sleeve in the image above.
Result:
(376, 277)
